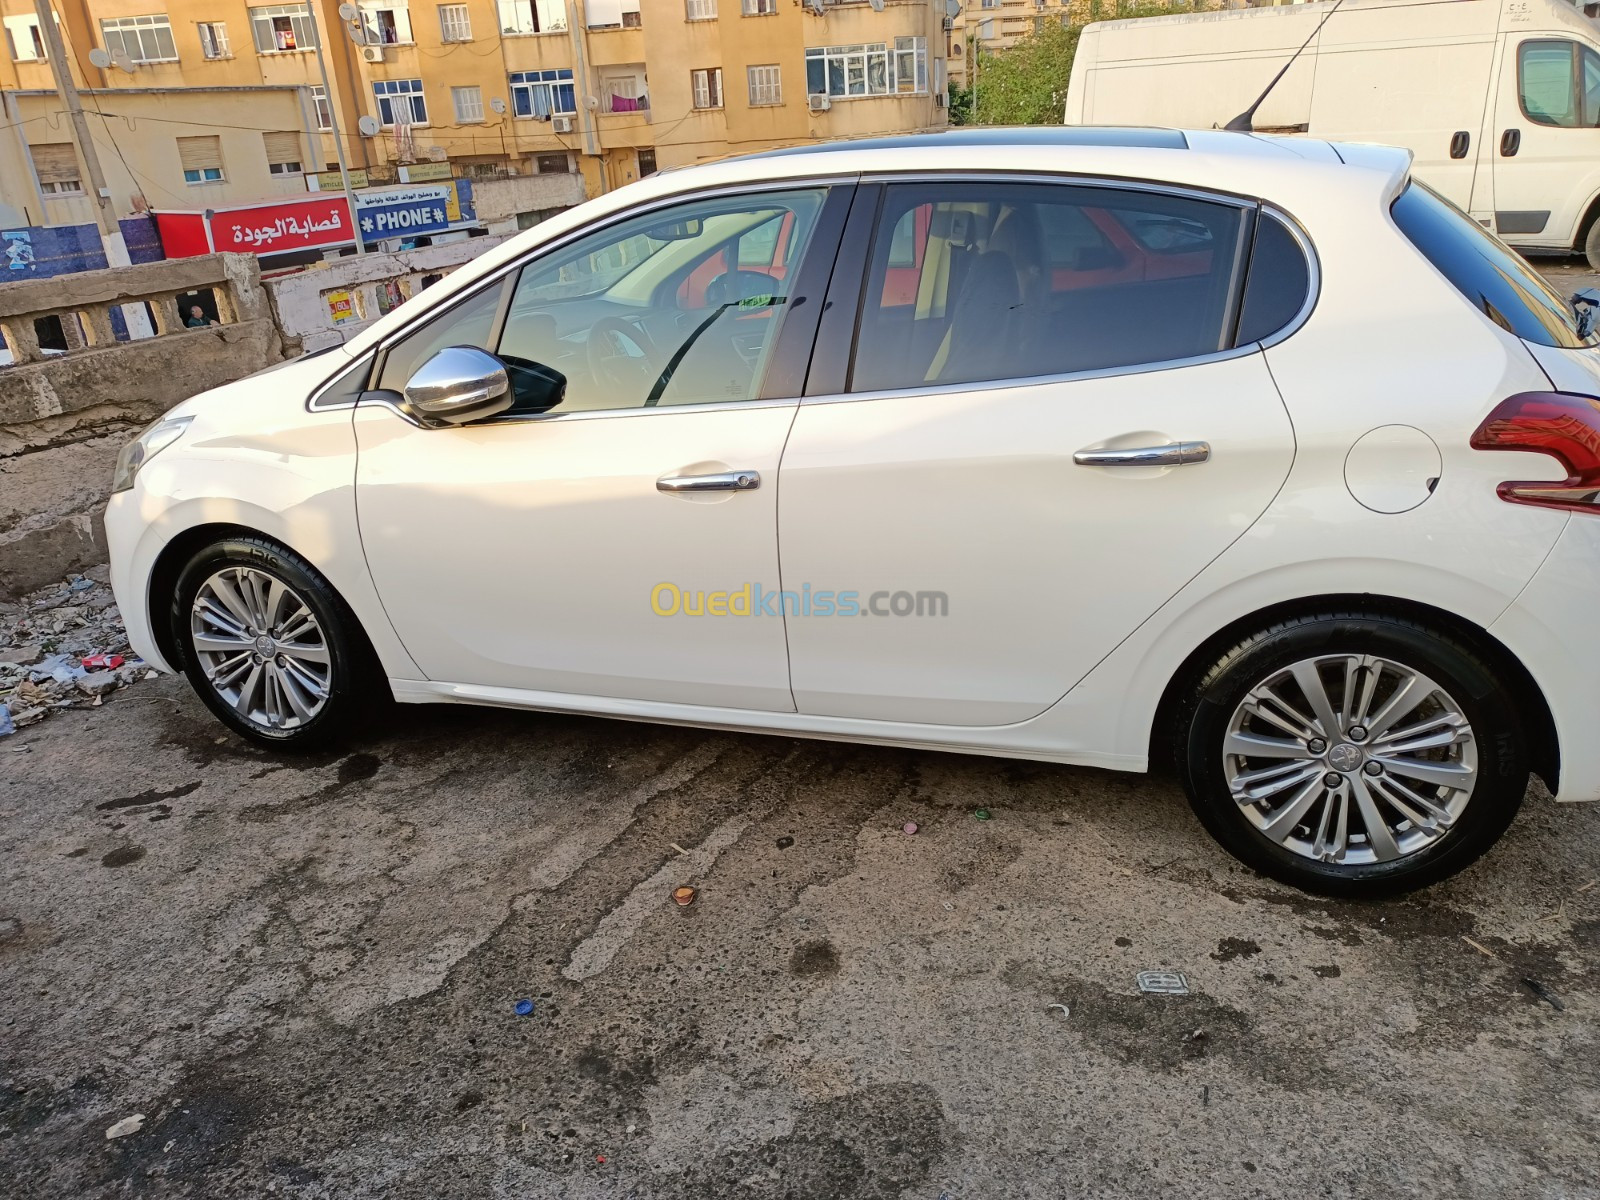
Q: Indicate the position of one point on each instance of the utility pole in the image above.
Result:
(333, 126)
(111, 239)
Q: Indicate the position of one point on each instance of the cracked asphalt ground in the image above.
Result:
(302, 973)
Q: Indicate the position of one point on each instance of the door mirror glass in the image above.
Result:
(458, 384)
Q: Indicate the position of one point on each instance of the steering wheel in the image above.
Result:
(621, 357)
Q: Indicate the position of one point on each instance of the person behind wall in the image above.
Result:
(197, 318)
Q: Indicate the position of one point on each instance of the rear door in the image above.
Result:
(1022, 460)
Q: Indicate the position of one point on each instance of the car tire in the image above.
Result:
(1591, 246)
(271, 648)
(1414, 808)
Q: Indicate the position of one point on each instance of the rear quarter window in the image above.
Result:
(1493, 278)
(1278, 285)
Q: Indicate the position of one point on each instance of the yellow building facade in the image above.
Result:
(485, 88)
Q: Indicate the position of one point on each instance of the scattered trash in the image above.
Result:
(1481, 949)
(785, 842)
(80, 584)
(523, 1008)
(632, 1128)
(1544, 993)
(7, 725)
(600, 1158)
(55, 640)
(677, 847)
(18, 749)
(1195, 1035)
(684, 896)
(908, 828)
(102, 662)
(1205, 1096)
(126, 1126)
(1163, 983)
(168, 1146)
(980, 814)
(1586, 887)
(1065, 1011)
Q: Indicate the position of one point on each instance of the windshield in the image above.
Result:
(1491, 275)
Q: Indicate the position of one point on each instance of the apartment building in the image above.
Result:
(607, 89)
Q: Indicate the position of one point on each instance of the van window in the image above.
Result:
(1559, 83)
(1279, 280)
(1487, 271)
(977, 281)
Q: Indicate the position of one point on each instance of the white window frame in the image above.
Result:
(598, 14)
(758, 8)
(902, 70)
(472, 112)
(551, 86)
(372, 30)
(121, 28)
(264, 18)
(204, 175)
(532, 18)
(285, 168)
(321, 108)
(62, 187)
(455, 23)
(700, 10)
(25, 31)
(405, 92)
(909, 66)
(765, 83)
(705, 87)
(213, 40)
(71, 186)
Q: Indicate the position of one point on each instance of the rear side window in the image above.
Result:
(1278, 284)
(1487, 271)
(978, 281)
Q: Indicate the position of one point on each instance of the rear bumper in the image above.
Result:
(1551, 627)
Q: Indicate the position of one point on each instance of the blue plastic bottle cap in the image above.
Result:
(524, 1008)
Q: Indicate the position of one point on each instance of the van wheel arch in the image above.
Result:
(1544, 746)
(1588, 243)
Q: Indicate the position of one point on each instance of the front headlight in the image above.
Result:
(155, 438)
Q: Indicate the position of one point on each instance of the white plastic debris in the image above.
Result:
(126, 1126)
(1163, 983)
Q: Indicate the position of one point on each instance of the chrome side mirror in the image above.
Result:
(458, 384)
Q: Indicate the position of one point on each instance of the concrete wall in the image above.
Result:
(63, 418)
(304, 303)
(500, 201)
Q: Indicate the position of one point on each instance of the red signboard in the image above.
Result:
(301, 223)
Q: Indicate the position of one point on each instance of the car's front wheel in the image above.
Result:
(270, 647)
(1353, 755)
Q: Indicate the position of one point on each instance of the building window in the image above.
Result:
(706, 87)
(700, 10)
(283, 153)
(55, 165)
(319, 98)
(647, 161)
(143, 39)
(386, 22)
(400, 102)
(25, 39)
(622, 89)
(282, 28)
(868, 70)
(613, 14)
(766, 85)
(468, 103)
(201, 159)
(542, 94)
(455, 23)
(533, 16)
(760, 8)
(552, 164)
(214, 39)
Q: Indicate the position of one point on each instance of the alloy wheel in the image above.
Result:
(261, 647)
(1350, 759)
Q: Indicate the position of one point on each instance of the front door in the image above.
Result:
(541, 550)
(1010, 482)
(1547, 144)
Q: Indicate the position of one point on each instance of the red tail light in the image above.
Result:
(1561, 424)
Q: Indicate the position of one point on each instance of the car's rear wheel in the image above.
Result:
(270, 647)
(1353, 755)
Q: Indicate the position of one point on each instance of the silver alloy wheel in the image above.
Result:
(1350, 759)
(261, 647)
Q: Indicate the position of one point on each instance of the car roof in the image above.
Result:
(966, 137)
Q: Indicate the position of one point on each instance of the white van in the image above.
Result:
(1499, 100)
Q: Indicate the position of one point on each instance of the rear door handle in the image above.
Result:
(722, 481)
(1173, 454)
(1510, 143)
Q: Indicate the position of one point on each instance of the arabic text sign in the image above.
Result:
(401, 212)
(275, 228)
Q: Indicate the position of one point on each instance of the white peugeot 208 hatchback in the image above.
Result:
(1095, 446)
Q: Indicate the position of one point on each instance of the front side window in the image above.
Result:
(542, 94)
(1559, 83)
(282, 28)
(1493, 277)
(680, 306)
(143, 39)
(400, 102)
(978, 281)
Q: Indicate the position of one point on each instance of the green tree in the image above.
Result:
(960, 105)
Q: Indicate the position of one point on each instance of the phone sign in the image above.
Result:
(403, 212)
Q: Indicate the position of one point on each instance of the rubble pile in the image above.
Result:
(63, 647)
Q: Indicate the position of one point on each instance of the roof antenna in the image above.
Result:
(1245, 121)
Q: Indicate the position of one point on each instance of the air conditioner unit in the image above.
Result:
(561, 124)
(941, 99)
(372, 54)
(819, 103)
(949, 24)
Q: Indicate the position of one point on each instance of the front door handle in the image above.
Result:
(1510, 143)
(1173, 454)
(722, 481)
